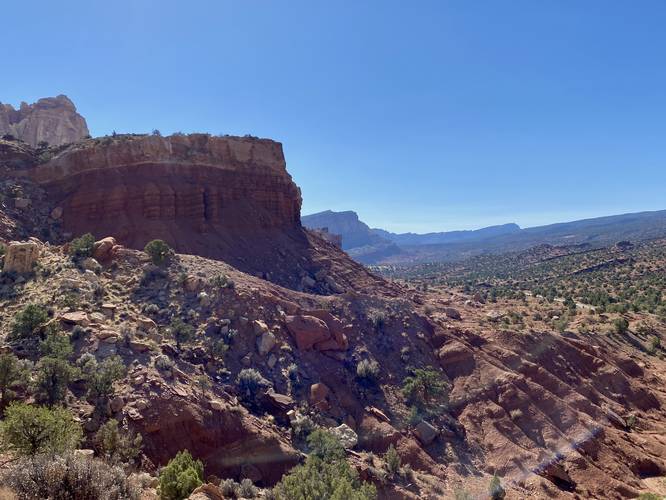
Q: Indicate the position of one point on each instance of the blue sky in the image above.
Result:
(421, 116)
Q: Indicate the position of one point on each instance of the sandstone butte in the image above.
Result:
(51, 120)
(549, 414)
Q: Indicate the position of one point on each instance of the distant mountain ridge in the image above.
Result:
(448, 236)
(378, 246)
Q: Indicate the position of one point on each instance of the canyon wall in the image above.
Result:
(53, 120)
(176, 188)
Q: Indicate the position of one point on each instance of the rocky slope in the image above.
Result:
(52, 120)
(554, 416)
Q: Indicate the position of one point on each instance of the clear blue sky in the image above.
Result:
(421, 115)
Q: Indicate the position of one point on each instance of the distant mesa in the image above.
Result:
(51, 120)
(360, 242)
(378, 246)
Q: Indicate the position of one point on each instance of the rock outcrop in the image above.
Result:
(53, 120)
(21, 257)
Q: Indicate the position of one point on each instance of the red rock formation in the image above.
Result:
(52, 119)
(221, 197)
(225, 439)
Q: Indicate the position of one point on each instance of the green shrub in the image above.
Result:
(392, 460)
(650, 496)
(325, 445)
(56, 345)
(180, 477)
(12, 375)
(67, 477)
(29, 321)
(181, 332)
(29, 430)
(100, 380)
(222, 281)
(164, 363)
(158, 251)
(115, 445)
(620, 326)
(82, 247)
(378, 320)
(317, 478)
(495, 489)
(425, 389)
(302, 426)
(52, 379)
(217, 348)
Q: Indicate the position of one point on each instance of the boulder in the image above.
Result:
(339, 341)
(145, 324)
(452, 313)
(456, 359)
(307, 330)
(319, 396)
(278, 405)
(90, 264)
(75, 318)
(207, 491)
(20, 257)
(22, 203)
(259, 326)
(139, 346)
(266, 342)
(425, 432)
(375, 435)
(193, 284)
(103, 249)
(348, 438)
(56, 213)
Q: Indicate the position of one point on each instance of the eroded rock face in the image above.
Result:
(52, 119)
(21, 257)
(226, 440)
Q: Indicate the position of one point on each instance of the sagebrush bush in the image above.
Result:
(247, 489)
(229, 488)
(180, 477)
(164, 363)
(620, 326)
(67, 477)
(250, 383)
(367, 372)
